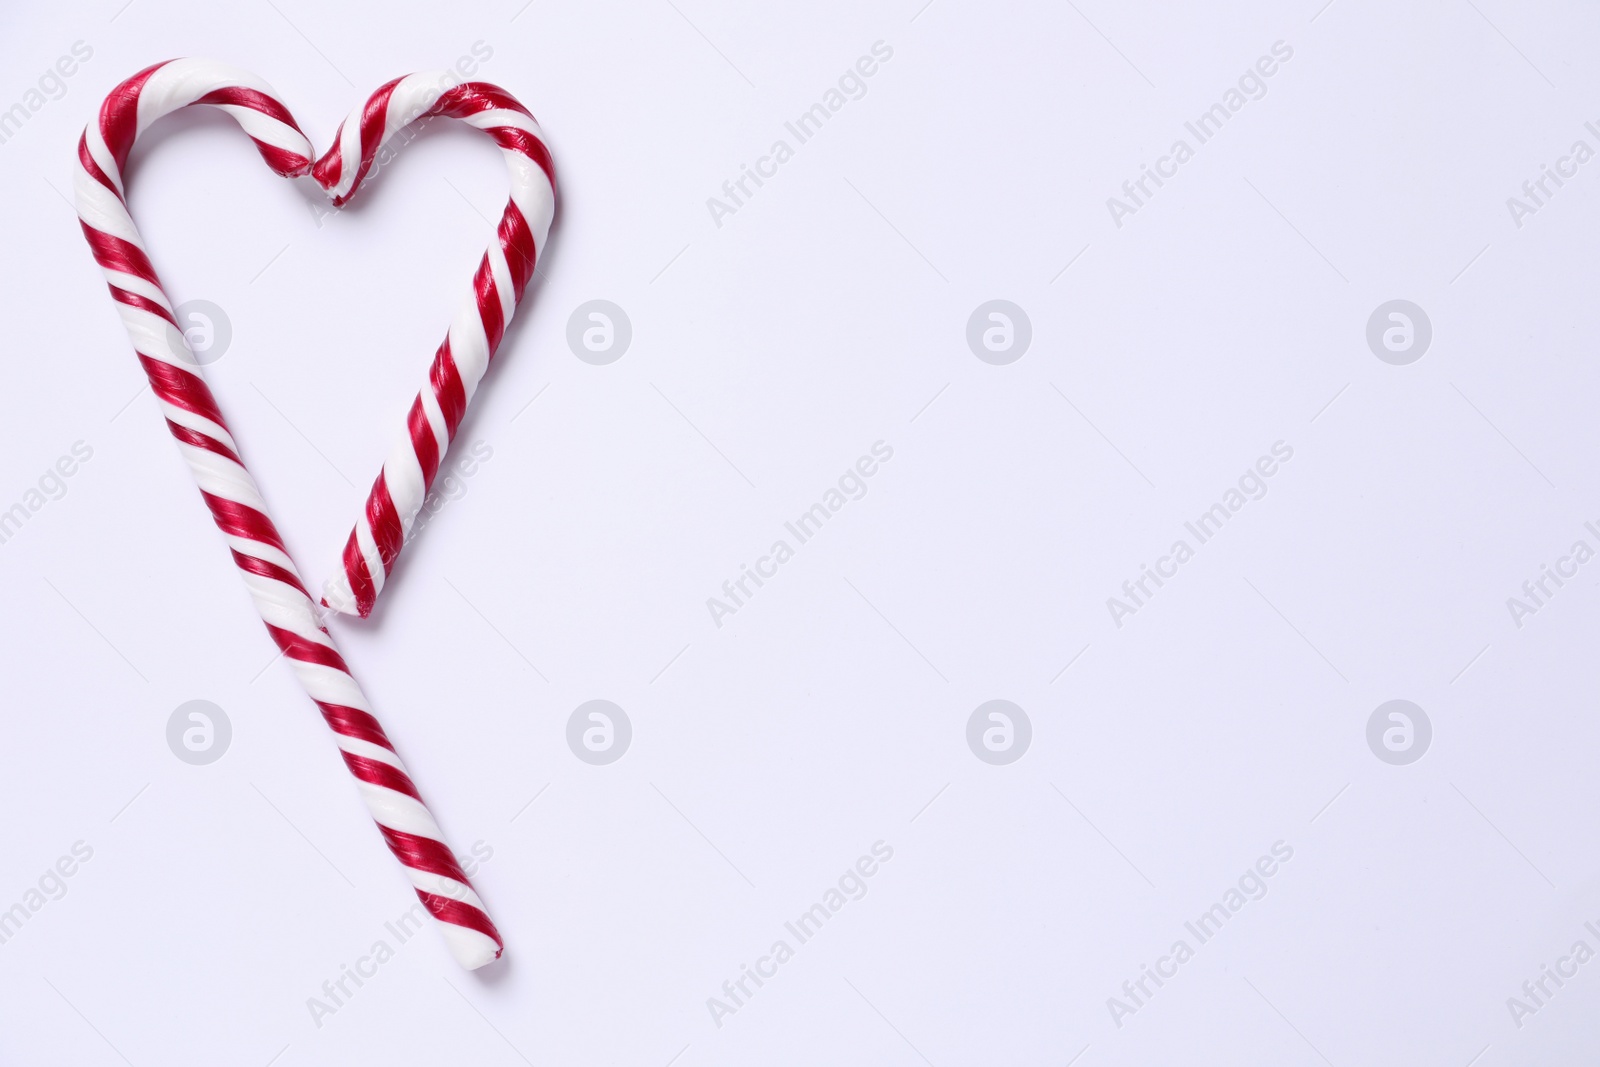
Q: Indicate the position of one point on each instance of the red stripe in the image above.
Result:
(515, 140)
(299, 648)
(489, 309)
(86, 160)
(516, 241)
(374, 117)
(471, 98)
(460, 913)
(423, 853)
(181, 388)
(119, 115)
(326, 169)
(113, 253)
(376, 772)
(352, 722)
(242, 520)
(287, 163)
(423, 442)
(269, 570)
(448, 388)
(355, 569)
(255, 100)
(200, 440)
(385, 522)
(143, 303)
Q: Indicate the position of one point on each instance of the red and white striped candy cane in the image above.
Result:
(402, 486)
(193, 416)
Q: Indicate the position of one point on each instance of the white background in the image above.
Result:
(830, 712)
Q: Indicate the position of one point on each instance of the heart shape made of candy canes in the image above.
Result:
(192, 414)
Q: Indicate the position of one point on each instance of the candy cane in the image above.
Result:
(196, 422)
(497, 287)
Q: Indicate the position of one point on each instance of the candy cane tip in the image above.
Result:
(470, 948)
(338, 598)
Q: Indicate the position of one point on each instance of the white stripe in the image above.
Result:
(504, 285)
(532, 193)
(199, 423)
(138, 287)
(469, 345)
(402, 473)
(245, 546)
(151, 334)
(400, 812)
(412, 97)
(282, 606)
(367, 750)
(499, 117)
(368, 547)
(329, 685)
(100, 209)
(436, 423)
(222, 477)
(264, 127)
